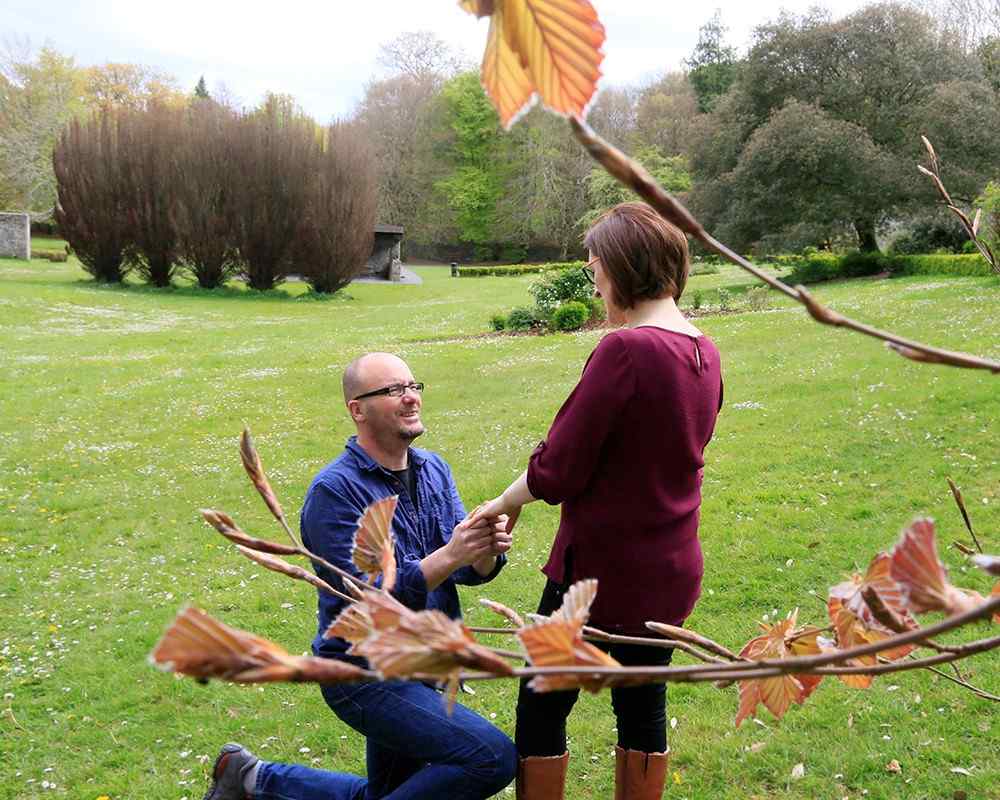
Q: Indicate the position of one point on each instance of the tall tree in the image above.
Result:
(421, 55)
(39, 93)
(876, 69)
(475, 151)
(132, 86)
(201, 90)
(713, 64)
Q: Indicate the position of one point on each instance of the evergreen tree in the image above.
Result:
(200, 90)
(712, 64)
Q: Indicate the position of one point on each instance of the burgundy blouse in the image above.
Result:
(624, 457)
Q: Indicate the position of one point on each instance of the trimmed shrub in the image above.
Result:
(697, 298)
(703, 268)
(943, 264)
(149, 156)
(511, 270)
(91, 208)
(207, 182)
(758, 298)
(338, 228)
(561, 287)
(725, 299)
(524, 319)
(570, 316)
(498, 322)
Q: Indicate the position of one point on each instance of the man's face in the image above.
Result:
(385, 416)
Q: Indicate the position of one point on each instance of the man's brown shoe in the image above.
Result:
(232, 764)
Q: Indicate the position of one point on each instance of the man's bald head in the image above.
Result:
(362, 372)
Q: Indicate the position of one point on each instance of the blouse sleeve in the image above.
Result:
(563, 464)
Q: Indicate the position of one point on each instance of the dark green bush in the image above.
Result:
(557, 288)
(816, 267)
(570, 316)
(524, 319)
(498, 322)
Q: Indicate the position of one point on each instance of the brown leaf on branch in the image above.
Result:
(428, 643)
(888, 609)
(852, 631)
(778, 693)
(354, 624)
(575, 608)
(548, 48)
(916, 566)
(225, 525)
(557, 643)
(373, 612)
(374, 544)
(255, 470)
(202, 647)
(507, 613)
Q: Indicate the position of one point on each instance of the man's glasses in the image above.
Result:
(394, 390)
(588, 270)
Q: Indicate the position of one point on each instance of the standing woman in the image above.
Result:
(624, 458)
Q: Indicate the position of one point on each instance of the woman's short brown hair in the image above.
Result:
(644, 256)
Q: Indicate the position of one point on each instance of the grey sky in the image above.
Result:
(324, 52)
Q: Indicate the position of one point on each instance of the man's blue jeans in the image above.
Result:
(414, 750)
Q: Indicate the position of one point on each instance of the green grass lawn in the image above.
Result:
(119, 418)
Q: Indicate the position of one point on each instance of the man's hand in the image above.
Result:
(476, 538)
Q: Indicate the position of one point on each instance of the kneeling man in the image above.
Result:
(414, 748)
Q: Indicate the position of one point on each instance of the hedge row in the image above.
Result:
(818, 266)
(511, 270)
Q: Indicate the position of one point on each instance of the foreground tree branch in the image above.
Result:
(633, 175)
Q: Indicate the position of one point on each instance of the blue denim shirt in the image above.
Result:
(336, 499)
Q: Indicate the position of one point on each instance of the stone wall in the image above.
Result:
(15, 236)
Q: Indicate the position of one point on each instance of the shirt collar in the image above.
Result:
(369, 464)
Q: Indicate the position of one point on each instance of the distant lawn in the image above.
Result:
(119, 414)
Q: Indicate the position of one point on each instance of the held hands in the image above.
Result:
(479, 537)
(498, 508)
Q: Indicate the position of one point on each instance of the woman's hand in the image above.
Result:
(497, 508)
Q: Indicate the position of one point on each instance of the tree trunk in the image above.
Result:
(865, 228)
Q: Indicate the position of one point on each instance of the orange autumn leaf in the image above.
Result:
(374, 545)
(202, 647)
(575, 608)
(354, 624)
(853, 632)
(779, 692)
(373, 612)
(878, 578)
(557, 643)
(428, 643)
(916, 566)
(545, 48)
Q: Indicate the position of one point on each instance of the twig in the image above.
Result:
(693, 638)
(957, 494)
(971, 226)
(597, 635)
(635, 177)
(749, 670)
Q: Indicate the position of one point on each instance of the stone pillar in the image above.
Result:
(15, 236)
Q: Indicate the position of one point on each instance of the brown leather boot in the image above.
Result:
(638, 775)
(542, 777)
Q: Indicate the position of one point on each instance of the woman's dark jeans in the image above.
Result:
(641, 711)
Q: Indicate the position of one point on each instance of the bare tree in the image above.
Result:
(39, 93)
(206, 183)
(336, 238)
(149, 168)
(421, 55)
(91, 210)
(274, 152)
